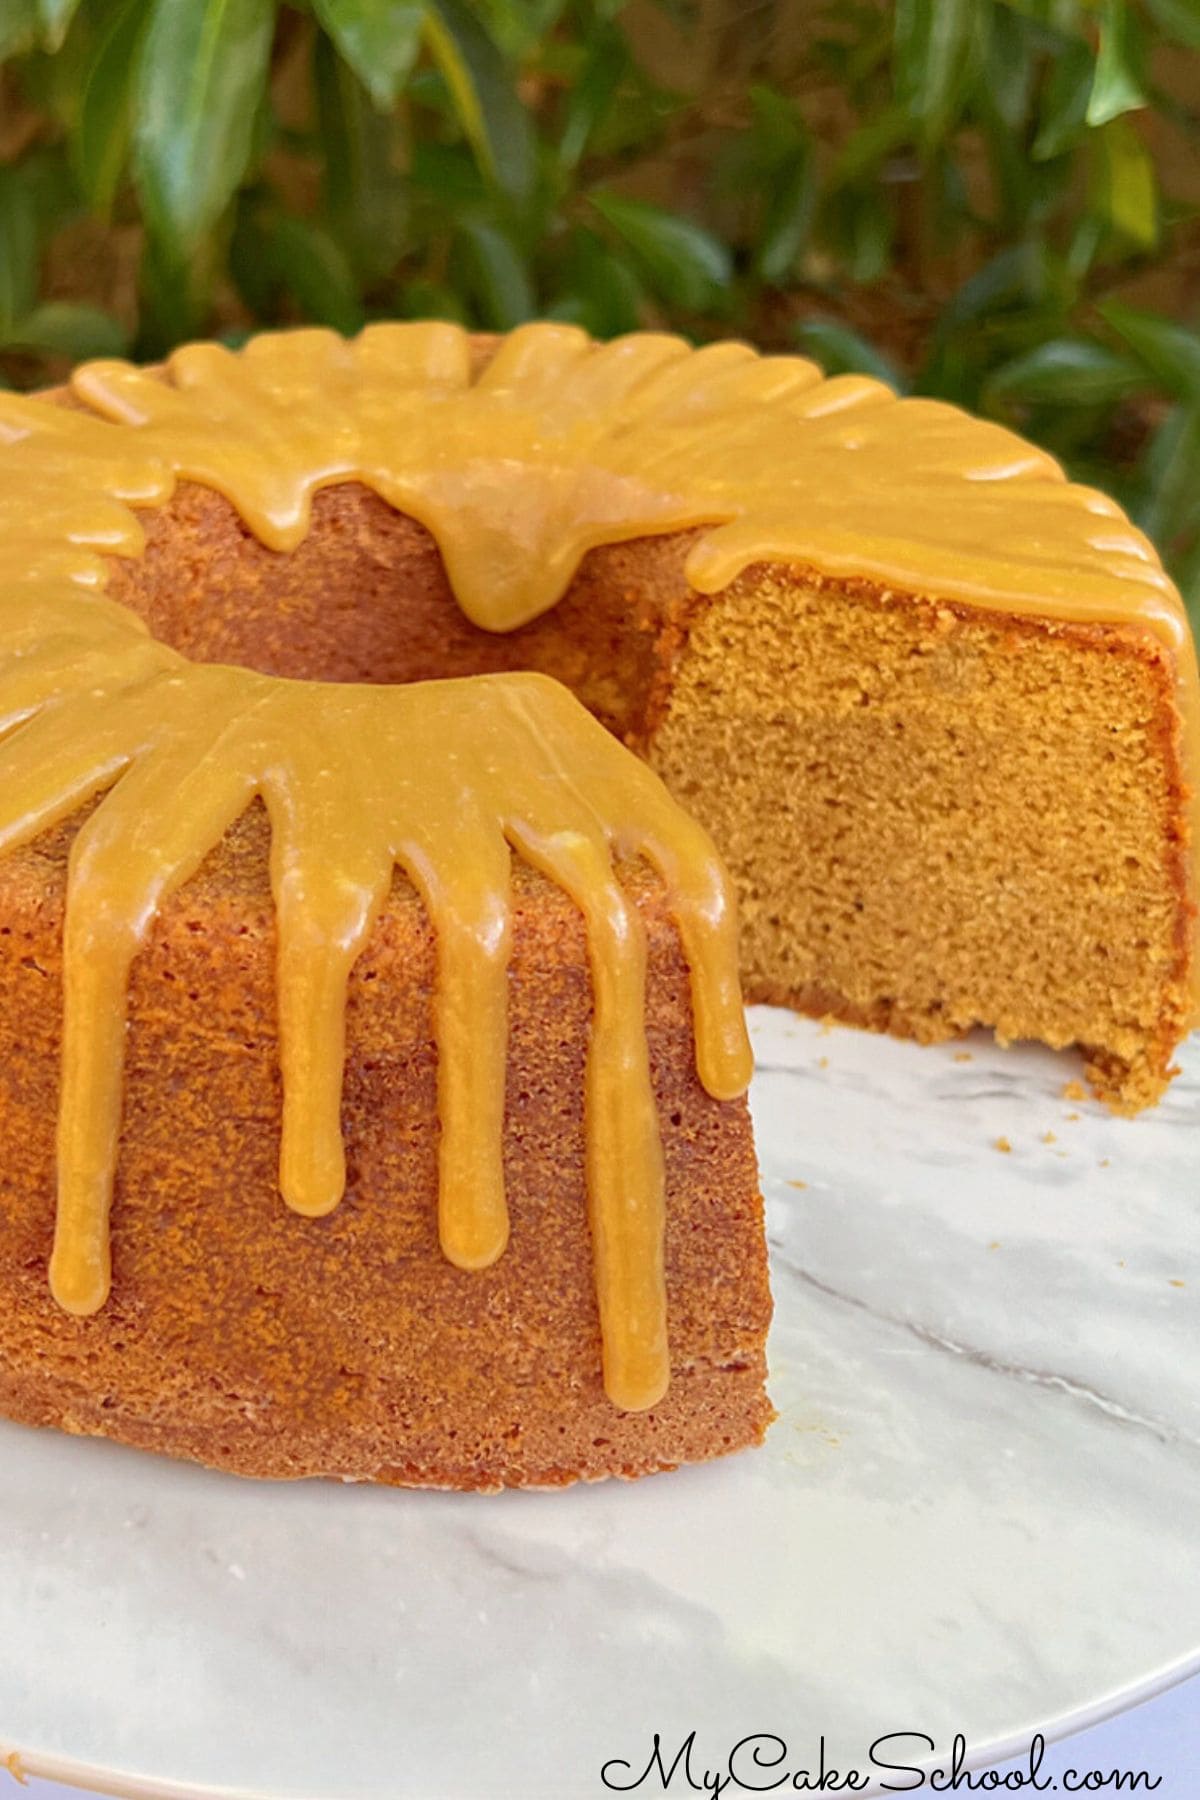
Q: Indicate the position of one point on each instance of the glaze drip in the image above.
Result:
(556, 446)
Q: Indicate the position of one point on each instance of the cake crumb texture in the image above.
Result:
(939, 818)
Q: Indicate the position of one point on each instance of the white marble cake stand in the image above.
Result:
(977, 1512)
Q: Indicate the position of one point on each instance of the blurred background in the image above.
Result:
(993, 201)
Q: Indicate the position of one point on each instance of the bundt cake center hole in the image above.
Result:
(365, 598)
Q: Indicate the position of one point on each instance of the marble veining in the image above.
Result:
(976, 1511)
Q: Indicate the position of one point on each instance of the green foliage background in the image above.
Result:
(977, 199)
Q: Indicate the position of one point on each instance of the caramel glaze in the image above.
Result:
(558, 445)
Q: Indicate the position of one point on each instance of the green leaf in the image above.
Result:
(18, 27)
(378, 38)
(599, 291)
(932, 38)
(1126, 186)
(592, 93)
(365, 196)
(951, 210)
(201, 77)
(54, 16)
(857, 226)
(1066, 372)
(1170, 352)
(1087, 241)
(71, 329)
(740, 165)
(314, 270)
(1009, 59)
(1011, 167)
(273, 253)
(682, 262)
(637, 120)
(422, 299)
(52, 79)
(870, 145)
(99, 141)
(787, 219)
(1019, 276)
(1117, 85)
(447, 178)
(1019, 296)
(1063, 114)
(18, 249)
(840, 350)
(175, 295)
(1185, 569)
(519, 26)
(485, 96)
(778, 124)
(51, 187)
(1170, 475)
(1178, 20)
(496, 275)
(250, 262)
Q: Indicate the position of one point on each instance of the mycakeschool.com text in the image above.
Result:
(901, 1762)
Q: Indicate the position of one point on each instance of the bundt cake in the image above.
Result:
(318, 882)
